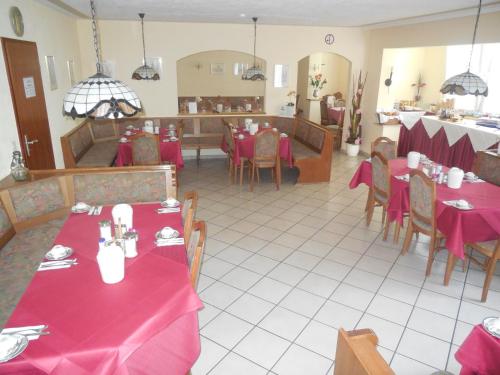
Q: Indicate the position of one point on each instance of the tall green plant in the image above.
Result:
(355, 112)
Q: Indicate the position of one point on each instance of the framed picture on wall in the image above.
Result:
(280, 75)
(217, 68)
(239, 68)
(51, 68)
(71, 72)
(156, 63)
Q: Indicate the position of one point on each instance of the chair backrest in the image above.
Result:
(266, 147)
(145, 149)
(357, 354)
(381, 176)
(190, 201)
(487, 166)
(422, 200)
(385, 146)
(323, 106)
(6, 228)
(195, 249)
(188, 225)
(228, 136)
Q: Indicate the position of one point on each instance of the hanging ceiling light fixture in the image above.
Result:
(254, 73)
(145, 71)
(100, 96)
(467, 83)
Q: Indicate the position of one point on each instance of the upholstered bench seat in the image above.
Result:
(100, 154)
(19, 260)
(301, 151)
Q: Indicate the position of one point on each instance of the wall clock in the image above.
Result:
(329, 39)
(16, 21)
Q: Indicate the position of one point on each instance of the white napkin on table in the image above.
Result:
(31, 332)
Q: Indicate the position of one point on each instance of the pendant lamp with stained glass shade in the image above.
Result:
(145, 71)
(467, 83)
(100, 96)
(254, 73)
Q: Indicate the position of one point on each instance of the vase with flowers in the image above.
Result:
(317, 82)
(354, 138)
(418, 85)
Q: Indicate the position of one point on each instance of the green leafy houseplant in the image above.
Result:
(358, 87)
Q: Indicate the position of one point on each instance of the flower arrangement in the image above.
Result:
(291, 98)
(419, 84)
(354, 137)
(316, 81)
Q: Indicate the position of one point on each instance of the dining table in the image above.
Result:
(170, 150)
(244, 144)
(479, 354)
(459, 226)
(145, 324)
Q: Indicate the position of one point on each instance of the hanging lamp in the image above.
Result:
(467, 83)
(254, 73)
(100, 96)
(145, 71)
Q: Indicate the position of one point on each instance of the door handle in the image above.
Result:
(27, 143)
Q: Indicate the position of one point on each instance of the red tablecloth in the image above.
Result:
(169, 151)
(461, 154)
(148, 321)
(336, 115)
(459, 226)
(245, 147)
(479, 354)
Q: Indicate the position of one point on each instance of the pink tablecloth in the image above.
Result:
(461, 154)
(169, 151)
(336, 115)
(146, 321)
(479, 354)
(459, 226)
(245, 148)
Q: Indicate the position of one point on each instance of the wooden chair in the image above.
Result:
(386, 146)
(188, 225)
(228, 136)
(195, 249)
(487, 166)
(491, 251)
(357, 354)
(266, 155)
(324, 113)
(180, 130)
(190, 202)
(145, 149)
(380, 192)
(422, 217)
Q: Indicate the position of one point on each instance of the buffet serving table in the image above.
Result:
(146, 322)
(448, 143)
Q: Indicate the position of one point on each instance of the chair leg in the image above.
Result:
(198, 154)
(258, 175)
(252, 177)
(371, 207)
(386, 227)
(277, 174)
(370, 192)
(450, 265)
(432, 251)
(490, 270)
(407, 241)
(241, 172)
(384, 213)
(397, 228)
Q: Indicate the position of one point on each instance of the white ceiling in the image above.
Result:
(278, 12)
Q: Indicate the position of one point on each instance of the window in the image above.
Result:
(486, 64)
(280, 75)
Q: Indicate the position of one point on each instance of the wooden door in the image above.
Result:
(25, 80)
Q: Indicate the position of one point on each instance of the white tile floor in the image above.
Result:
(283, 270)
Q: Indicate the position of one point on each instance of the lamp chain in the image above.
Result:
(475, 32)
(254, 40)
(96, 41)
(143, 40)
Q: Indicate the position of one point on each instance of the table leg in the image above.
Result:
(450, 265)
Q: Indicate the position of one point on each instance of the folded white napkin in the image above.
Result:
(166, 210)
(31, 332)
(464, 205)
(169, 242)
(404, 177)
(53, 267)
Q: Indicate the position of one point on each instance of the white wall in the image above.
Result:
(55, 35)
(172, 41)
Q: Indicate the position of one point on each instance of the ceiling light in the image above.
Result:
(100, 96)
(145, 71)
(467, 83)
(254, 73)
(243, 15)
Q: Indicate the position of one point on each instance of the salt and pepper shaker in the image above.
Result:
(129, 244)
(105, 230)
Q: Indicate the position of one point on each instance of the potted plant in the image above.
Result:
(291, 98)
(317, 82)
(354, 139)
